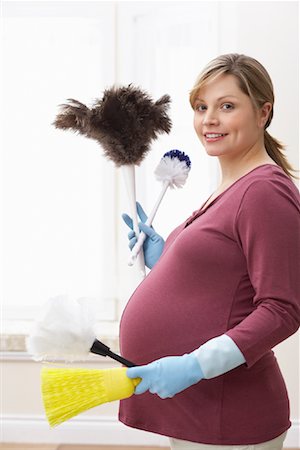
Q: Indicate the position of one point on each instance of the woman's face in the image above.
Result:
(225, 119)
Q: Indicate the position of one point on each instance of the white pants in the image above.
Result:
(274, 444)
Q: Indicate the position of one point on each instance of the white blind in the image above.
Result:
(59, 191)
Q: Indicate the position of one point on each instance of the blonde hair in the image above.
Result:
(255, 82)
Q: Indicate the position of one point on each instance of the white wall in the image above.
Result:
(269, 31)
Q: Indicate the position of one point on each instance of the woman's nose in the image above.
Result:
(209, 118)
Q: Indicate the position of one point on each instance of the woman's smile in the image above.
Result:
(214, 137)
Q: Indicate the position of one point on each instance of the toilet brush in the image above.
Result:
(172, 171)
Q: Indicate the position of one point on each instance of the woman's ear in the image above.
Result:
(264, 114)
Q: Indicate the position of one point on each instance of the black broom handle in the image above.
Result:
(101, 349)
(120, 359)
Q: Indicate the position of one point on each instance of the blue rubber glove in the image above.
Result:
(153, 245)
(168, 376)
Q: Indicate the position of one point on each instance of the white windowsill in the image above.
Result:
(14, 333)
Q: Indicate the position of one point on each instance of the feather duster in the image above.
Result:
(66, 330)
(124, 122)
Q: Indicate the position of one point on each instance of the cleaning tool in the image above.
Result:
(68, 392)
(172, 171)
(124, 122)
(65, 331)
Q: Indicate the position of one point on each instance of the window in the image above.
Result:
(59, 191)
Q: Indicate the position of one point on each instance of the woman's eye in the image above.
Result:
(227, 106)
(200, 108)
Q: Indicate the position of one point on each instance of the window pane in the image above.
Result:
(58, 189)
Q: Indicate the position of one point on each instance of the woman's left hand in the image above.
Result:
(168, 376)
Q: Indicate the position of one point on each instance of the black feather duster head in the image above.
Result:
(124, 122)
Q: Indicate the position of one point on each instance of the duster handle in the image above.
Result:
(99, 348)
(128, 171)
(141, 239)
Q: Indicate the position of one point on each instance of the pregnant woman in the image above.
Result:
(223, 289)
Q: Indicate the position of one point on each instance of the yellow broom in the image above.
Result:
(68, 392)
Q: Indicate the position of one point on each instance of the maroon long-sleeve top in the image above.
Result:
(232, 267)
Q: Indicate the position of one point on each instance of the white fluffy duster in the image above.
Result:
(65, 331)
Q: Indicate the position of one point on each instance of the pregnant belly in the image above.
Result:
(184, 301)
(163, 318)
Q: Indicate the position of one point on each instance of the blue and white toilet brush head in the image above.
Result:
(172, 171)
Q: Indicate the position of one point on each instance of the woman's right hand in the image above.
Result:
(153, 245)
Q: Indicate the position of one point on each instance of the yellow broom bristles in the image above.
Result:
(68, 392)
